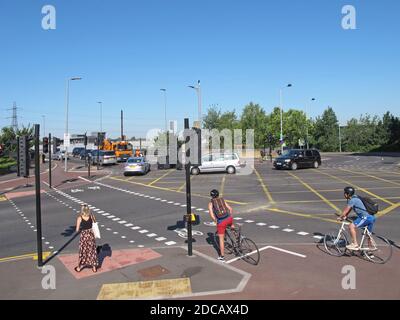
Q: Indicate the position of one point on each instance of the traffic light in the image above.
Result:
(85, 140)
(45, 145)
(197, 144)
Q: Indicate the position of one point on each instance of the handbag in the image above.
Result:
(96, 230)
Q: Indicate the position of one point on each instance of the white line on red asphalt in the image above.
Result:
(269, 247)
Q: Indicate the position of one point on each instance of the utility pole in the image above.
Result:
(340, 140)
(188, 191)
(38, 201)
(50, 160)
(122, 125)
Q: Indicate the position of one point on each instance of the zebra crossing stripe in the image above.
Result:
(261, 224)
(274, 227)
(170, 243)
(151, 235)
(302, 233)
(161, 239)
(143, 231)
(288, 230)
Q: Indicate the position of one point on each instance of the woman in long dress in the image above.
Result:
(87, 242)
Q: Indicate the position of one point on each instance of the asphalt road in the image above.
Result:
(285, 209)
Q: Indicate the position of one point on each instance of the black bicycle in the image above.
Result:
(239, 245)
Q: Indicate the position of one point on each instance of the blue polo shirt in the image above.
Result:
(358, 207)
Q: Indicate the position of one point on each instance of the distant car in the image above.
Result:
(105, 157)
(84, 154)
(136, 165)
(59, 155)
(224, 162)
(77, 151)
(298, 158)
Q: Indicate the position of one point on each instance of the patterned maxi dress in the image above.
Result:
(87, 245)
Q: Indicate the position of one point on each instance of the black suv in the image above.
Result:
(298, 158)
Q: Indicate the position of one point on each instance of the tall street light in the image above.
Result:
(66, 120)
(198, 90)
(165, 108)
(281, 106)
(101, 115)
(44, 125)
(308, 147)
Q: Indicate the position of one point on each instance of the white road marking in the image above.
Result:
(237, 218)
(288, 230)
(143, 231)
(129, 225)
(274, 227)
(135, 228)
(122, 222)
(302, 233)
(170, 243)
(261, 224)
(249, 221)
(151, 235)
(161, 239)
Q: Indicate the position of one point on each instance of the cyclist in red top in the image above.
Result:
(221, 213)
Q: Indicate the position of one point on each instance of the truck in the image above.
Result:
(123, 149)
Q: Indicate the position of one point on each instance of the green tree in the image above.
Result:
(326, 130)
(254, 117)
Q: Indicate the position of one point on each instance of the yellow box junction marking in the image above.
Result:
(145, 289)
(172, 190)
(3, 198)
(266, 191)
(358, 187)
(315, 192)
(374, 177)
(163, 176)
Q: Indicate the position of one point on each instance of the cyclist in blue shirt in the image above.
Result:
(364, 219)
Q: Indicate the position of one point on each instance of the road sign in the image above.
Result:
(66, 140)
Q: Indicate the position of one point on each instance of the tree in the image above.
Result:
(326, 131)
(213, 119)
(8, 137)
(254, 117)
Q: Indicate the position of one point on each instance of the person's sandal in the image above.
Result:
(94, 270)
(76, 269)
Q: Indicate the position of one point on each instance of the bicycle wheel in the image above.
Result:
(381, 250)
(228, 243)
(249, 251)
(334, 245)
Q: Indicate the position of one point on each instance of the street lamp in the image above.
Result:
(165, 108)
(101, 115)
(44, 125)
(66, 120)
(280, 102)
(198, 90)
(313, 99)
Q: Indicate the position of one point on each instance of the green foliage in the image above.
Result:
(8, 137)
(326, 131)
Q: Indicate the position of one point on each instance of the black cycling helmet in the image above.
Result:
(349, 191)
(214, 193)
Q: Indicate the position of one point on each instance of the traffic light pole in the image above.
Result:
(50, 160)
(38, 202)
(188, 193)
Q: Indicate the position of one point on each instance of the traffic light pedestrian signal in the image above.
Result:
(45, 145)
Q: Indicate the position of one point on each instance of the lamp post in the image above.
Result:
(281, 107)
(44, 125)
(308, 147)
(101, 115)
(198, 91)
(66, 120)
(165, 108)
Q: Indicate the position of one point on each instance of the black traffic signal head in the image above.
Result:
(45, 145)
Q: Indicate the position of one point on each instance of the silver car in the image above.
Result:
(59, 155)
(223, 162)
(136, 165)
(105, 157)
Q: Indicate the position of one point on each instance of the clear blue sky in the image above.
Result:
(241, 51)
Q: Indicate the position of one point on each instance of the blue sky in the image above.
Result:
(242, 51)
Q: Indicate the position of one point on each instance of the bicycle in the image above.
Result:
(380, 252)
(239, 245)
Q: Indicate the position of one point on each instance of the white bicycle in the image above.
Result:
(380, 250)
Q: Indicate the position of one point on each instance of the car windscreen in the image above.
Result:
(124, 147)
(108, 153)
(135, 160)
